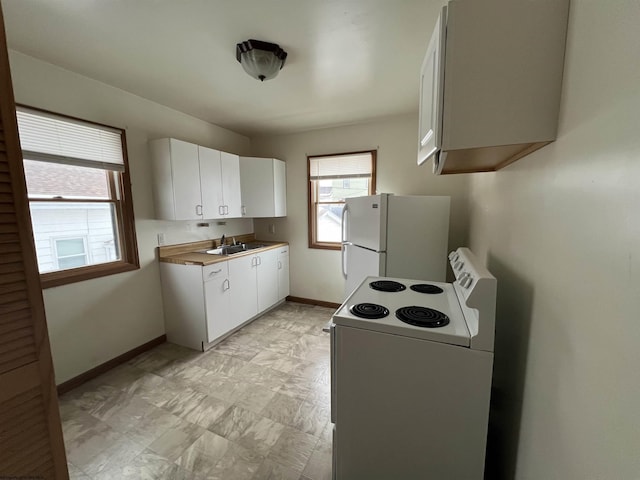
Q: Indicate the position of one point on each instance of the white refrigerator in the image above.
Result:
(394, 236)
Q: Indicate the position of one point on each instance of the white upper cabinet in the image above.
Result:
(192, 182)
(491, 82)
(431, 94)
(220, 183)
(210, 182)
(176, 170)
(231, 194)
(264, 187)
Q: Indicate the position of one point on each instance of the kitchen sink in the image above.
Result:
(251, 246)
(233, 249)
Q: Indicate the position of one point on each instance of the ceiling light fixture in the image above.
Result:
(261, 60)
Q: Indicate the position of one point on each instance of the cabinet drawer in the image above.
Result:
(216, 270)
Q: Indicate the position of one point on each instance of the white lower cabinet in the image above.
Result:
(267, 278)
(244, 303)
(217, 301)
(204, 303)
(257, 276)
(283, 272)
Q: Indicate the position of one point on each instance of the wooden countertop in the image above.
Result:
(194, 253)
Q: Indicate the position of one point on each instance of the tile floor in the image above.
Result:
(256, 406)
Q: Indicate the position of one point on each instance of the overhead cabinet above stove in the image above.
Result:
(491, 82)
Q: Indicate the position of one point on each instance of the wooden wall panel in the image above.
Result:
(31, 443)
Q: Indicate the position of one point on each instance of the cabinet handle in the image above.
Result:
(226, 209)
(279, 265)
(198, 209)
(259, 260)
(215, 272)
(226, 285)
(220, 210)
(244, 210)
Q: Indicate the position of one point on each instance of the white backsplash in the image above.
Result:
(188, 231)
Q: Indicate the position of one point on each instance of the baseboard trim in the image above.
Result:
(108, 365)
(310, 301)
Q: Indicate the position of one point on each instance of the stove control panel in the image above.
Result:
(476, 291)
(468, 270)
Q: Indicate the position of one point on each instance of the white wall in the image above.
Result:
(93, 321)
(561, 231)
(315, 274)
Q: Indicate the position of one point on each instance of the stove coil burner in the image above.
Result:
(387, 286)
(369, 310)
(422, 317)
(426, 288)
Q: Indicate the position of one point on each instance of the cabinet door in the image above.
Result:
(211, 182)
(430, 117)
(267, 279)
(283, 273)
(279, 188)
(231, 184)
(217, 294)
(243, 289)
(256, 180)
(185, 172)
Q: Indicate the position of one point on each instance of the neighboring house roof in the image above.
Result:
(50, 179)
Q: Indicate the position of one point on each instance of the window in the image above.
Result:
(71, 252)
(332, 179)
(79, 197)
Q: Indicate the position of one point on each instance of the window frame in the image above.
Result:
(312, 210)
(121, 198)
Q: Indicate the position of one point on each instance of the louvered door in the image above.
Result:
(31, 443)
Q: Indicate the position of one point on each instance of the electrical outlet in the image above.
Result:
(161, 239)
(272, 228)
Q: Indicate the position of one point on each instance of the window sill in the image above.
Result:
(65, 277)
(326, 246)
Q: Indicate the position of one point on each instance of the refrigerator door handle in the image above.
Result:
(343, 224)
(343, 240)
(344, 257)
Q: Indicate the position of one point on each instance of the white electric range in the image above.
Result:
(411, 376)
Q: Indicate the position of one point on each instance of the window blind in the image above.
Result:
(51, 138)
(343, 166)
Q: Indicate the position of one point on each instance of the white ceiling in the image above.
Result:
(348, 61)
